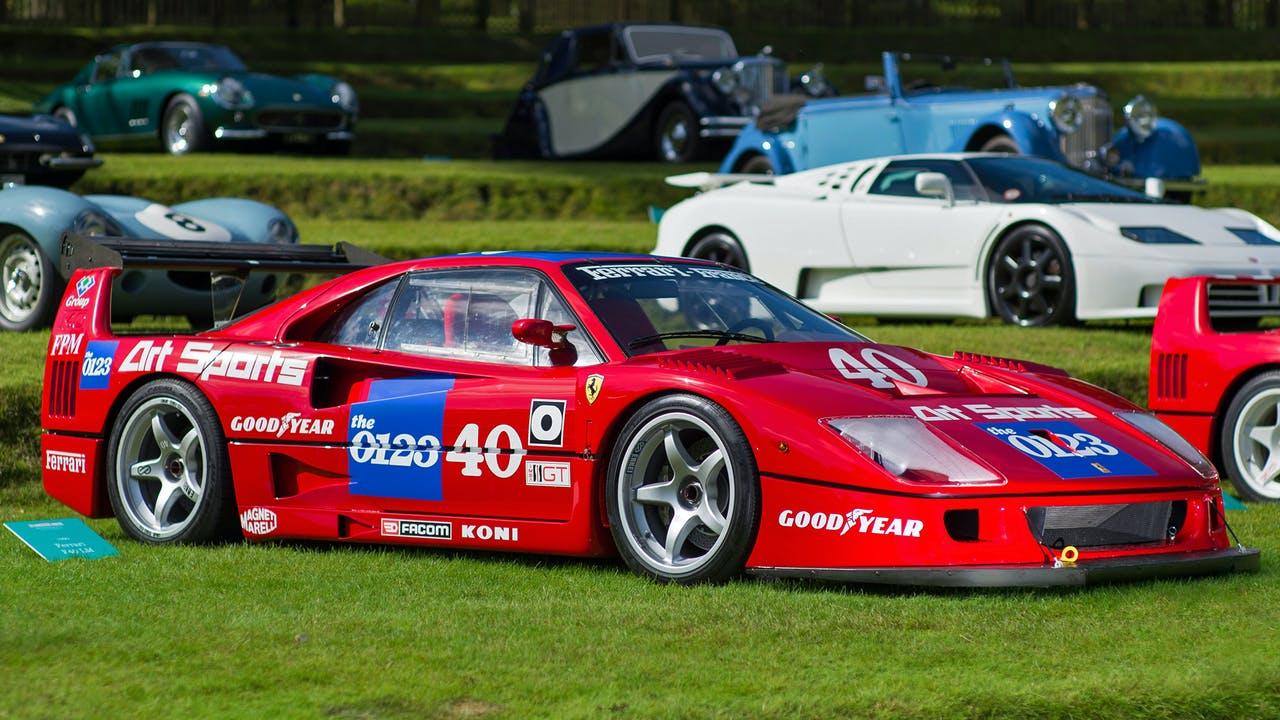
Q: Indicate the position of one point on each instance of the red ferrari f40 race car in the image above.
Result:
(681, 414)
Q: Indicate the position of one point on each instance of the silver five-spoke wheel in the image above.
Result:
(21, 276)
(684, 495)
(1251, 438)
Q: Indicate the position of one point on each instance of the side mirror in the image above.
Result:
(1154, 187)
(875, 83)
(932, 184)
(543, 333)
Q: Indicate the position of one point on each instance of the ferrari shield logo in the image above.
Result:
(594, 383)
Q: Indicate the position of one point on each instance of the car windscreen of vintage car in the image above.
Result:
(1033, 180)
(148, 59)
(934, 73)
(679, 44)
(652, 307)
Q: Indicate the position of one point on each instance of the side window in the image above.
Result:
(148, 60)
(553, 308)
(556, 61)
(464, 314)
(899, 178)
(360, 323)
(106, 66)
(595, 51)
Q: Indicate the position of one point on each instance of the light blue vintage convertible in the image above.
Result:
(915, 108)
(33, 220)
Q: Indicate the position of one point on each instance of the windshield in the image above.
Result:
(148, 59)
(652, 307)
(932, 73)
(659, 44)
(1033, 180)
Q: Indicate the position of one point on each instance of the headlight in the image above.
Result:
(281, 232)
(343, 95)
(92, 222)
(1067, 114)
(1156, 236)
(1140, 115)
(725, 80)
(231, 93)
(908, 449)
(814, 82)
(86, 144)
(1165, 435)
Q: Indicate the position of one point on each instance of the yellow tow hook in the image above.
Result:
(1068, 557)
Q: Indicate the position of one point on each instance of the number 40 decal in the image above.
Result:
(876, 365)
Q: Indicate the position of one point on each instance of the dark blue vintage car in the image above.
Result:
(42, 150)
(913, 108)
(643, 91)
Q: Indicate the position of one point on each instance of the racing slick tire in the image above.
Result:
(1030, 280)
(1000, 144)
(675, 137)
(1250, 431)
(719, 246)
(683, 492)
(757, 165)
(182, 129)
(168, 475)
(30, 287)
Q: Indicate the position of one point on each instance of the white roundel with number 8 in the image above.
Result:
(875, 366)
(172, 224)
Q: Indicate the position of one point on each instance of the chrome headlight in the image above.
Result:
(93, 222)
(814, 82)
(1166, 436)
(86, 144)
(1067, 114)
(230, 93)
(908, 449)
(725, 80)
(281, 232)
(1140, 115)
(342, 94)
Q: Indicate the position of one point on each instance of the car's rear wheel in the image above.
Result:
(168, 476)
(1030, 279)
(757, 165)
(683, 492)
(1251, 438)
(182, 129)
(29, 283)
(1000, 144)
(676, 136)
(65, 114)
(719, 246)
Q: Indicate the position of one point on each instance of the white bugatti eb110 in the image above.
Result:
(967, 234)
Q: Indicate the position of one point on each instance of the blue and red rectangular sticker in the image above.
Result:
(1066, 450)
(395, 438)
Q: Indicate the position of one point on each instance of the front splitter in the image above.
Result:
(1215, 562)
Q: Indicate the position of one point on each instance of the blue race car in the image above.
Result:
(33, 220)
(912, 108)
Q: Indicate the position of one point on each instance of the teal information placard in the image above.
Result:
(61, 539)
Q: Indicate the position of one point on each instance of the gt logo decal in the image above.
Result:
(95, 369)
(1066, 450)
(546, 423)
(876, 365)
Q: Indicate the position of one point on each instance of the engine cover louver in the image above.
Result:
(714, 362)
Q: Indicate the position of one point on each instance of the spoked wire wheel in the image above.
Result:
(21, 278)
(1030, 281)
(684, 492)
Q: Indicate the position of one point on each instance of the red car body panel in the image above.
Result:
(1196, 369)
(294, 411)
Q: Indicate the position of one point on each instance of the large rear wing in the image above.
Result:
(228, 266)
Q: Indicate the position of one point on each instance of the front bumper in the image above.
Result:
(1120, 569)
(722, 126)
(1111, 287)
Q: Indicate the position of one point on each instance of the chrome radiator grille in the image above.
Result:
(1081, 146)
(762, 78)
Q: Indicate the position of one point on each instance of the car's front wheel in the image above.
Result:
(683, 492)
(29, 283)
(1251, 438)
(168, 477)
(1000, 144)
(757, 165)
(182, 129)
(676, 136)
(1030, 278)
(719, 246)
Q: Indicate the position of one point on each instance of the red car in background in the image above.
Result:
(1215, 375)
(682, 414)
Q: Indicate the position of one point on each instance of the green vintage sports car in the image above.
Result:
(192, 96)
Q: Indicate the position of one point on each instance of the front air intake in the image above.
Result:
(1085, 526)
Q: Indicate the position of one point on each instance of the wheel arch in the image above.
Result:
(989, 250)
(1224, 403)
(704, 231)
(983, 134)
